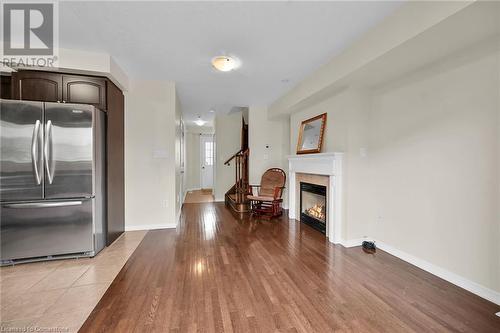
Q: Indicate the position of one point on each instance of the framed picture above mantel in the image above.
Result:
(311, 135)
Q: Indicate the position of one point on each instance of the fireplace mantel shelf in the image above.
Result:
(325, 164)
(318, 155)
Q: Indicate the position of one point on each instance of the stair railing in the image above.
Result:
(241, 174)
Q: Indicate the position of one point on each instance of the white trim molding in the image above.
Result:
(460, 281)
(150, 227)
(473, 287)
(325, 164)
(352, 242)
(179, 215)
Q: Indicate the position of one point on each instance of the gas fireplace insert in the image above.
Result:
(313, 206)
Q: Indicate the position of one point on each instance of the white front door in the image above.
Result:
(207, 160)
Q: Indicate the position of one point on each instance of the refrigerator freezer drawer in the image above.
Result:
(48, 228)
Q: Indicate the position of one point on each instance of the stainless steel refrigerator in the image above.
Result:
(52, 188)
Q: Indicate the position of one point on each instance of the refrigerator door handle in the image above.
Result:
(48, 142)
(43, 204)
(34, 151)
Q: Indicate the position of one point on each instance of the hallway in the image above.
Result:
(215, 273)
(199, 196)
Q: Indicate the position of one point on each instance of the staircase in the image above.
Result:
(236, 197)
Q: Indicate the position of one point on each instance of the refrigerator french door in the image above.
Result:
(51, 180)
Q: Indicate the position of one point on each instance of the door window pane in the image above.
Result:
(209, 153)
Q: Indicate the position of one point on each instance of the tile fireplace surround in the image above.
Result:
(322, 169)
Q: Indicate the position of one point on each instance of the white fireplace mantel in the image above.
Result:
(326, 164)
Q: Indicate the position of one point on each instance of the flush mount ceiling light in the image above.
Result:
(199, 121)
(225, 63)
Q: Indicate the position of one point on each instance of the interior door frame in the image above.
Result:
(202, 154)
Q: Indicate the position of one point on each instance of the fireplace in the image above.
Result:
(313, 205)
(324, 169)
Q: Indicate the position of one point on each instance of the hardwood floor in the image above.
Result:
(199, 196)
(219, 274)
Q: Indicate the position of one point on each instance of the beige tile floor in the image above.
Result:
(59, 295)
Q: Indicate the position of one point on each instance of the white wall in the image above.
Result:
(433, 145)
(87, 63)
(345, 131)
(263, 132)
(227, 142)
(407, 22)
(429, 185)
(150, 155)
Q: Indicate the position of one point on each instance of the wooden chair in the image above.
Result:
(266, 200)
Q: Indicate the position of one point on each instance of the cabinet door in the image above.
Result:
(84, 90)
(5, 88)
(37, 86)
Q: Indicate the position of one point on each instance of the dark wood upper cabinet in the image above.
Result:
(84, 90)
(6, 87)
(57, 87)
(37, 86)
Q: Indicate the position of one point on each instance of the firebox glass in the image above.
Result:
(314, 205)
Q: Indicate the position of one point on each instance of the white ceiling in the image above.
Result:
(279, 43)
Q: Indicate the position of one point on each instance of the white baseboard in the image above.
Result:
(219, 199)
(473, 287)
(149, 227)
(352, 242)
(193, 189)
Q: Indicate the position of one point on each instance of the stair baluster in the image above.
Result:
(236, 196)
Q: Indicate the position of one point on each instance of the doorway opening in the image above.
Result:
(201, 168)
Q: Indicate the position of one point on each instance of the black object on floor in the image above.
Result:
(369, 247)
